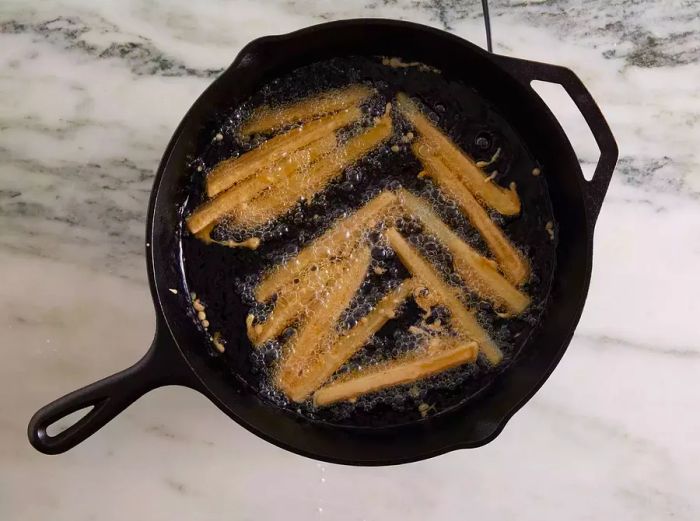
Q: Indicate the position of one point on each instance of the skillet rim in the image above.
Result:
(200, 381)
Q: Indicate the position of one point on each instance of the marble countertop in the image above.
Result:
(90, 94)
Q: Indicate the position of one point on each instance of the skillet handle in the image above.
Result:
(162, 365)
(527, 71)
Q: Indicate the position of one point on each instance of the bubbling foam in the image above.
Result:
(390, 166)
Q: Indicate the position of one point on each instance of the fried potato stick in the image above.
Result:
(337, 241)
(463, 320)
(320, 326)
(513, 264)
(266, 119)
(503, 200)
(295, 302)
(323, 364)
(404, 370)
(228, 201)
(234, 170)
(477, 271)
(283, 197)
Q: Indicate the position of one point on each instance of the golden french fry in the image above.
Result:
(304, 185)
(337, 241)
(323, 364)
(407, 369)
(228, 201)
(513, 264)
(287, 308)
(295, 302)
(477, 271)
(463, 320)
(266, 119)
(234, 170)
(503, 200)
(320, 326)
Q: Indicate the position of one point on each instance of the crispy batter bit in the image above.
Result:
(218, 342)
(204, 235)
(549, 227)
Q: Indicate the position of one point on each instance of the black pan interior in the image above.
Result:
(215, 272)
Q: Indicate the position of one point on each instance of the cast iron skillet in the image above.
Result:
(177, 356)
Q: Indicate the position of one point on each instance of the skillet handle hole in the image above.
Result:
(64, 423)
(573, 123)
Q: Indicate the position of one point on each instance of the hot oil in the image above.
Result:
(225, 278)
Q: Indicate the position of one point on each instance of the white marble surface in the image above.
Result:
(90, 93)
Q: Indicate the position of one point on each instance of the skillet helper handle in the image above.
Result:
(595, 189)
(107, 397)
